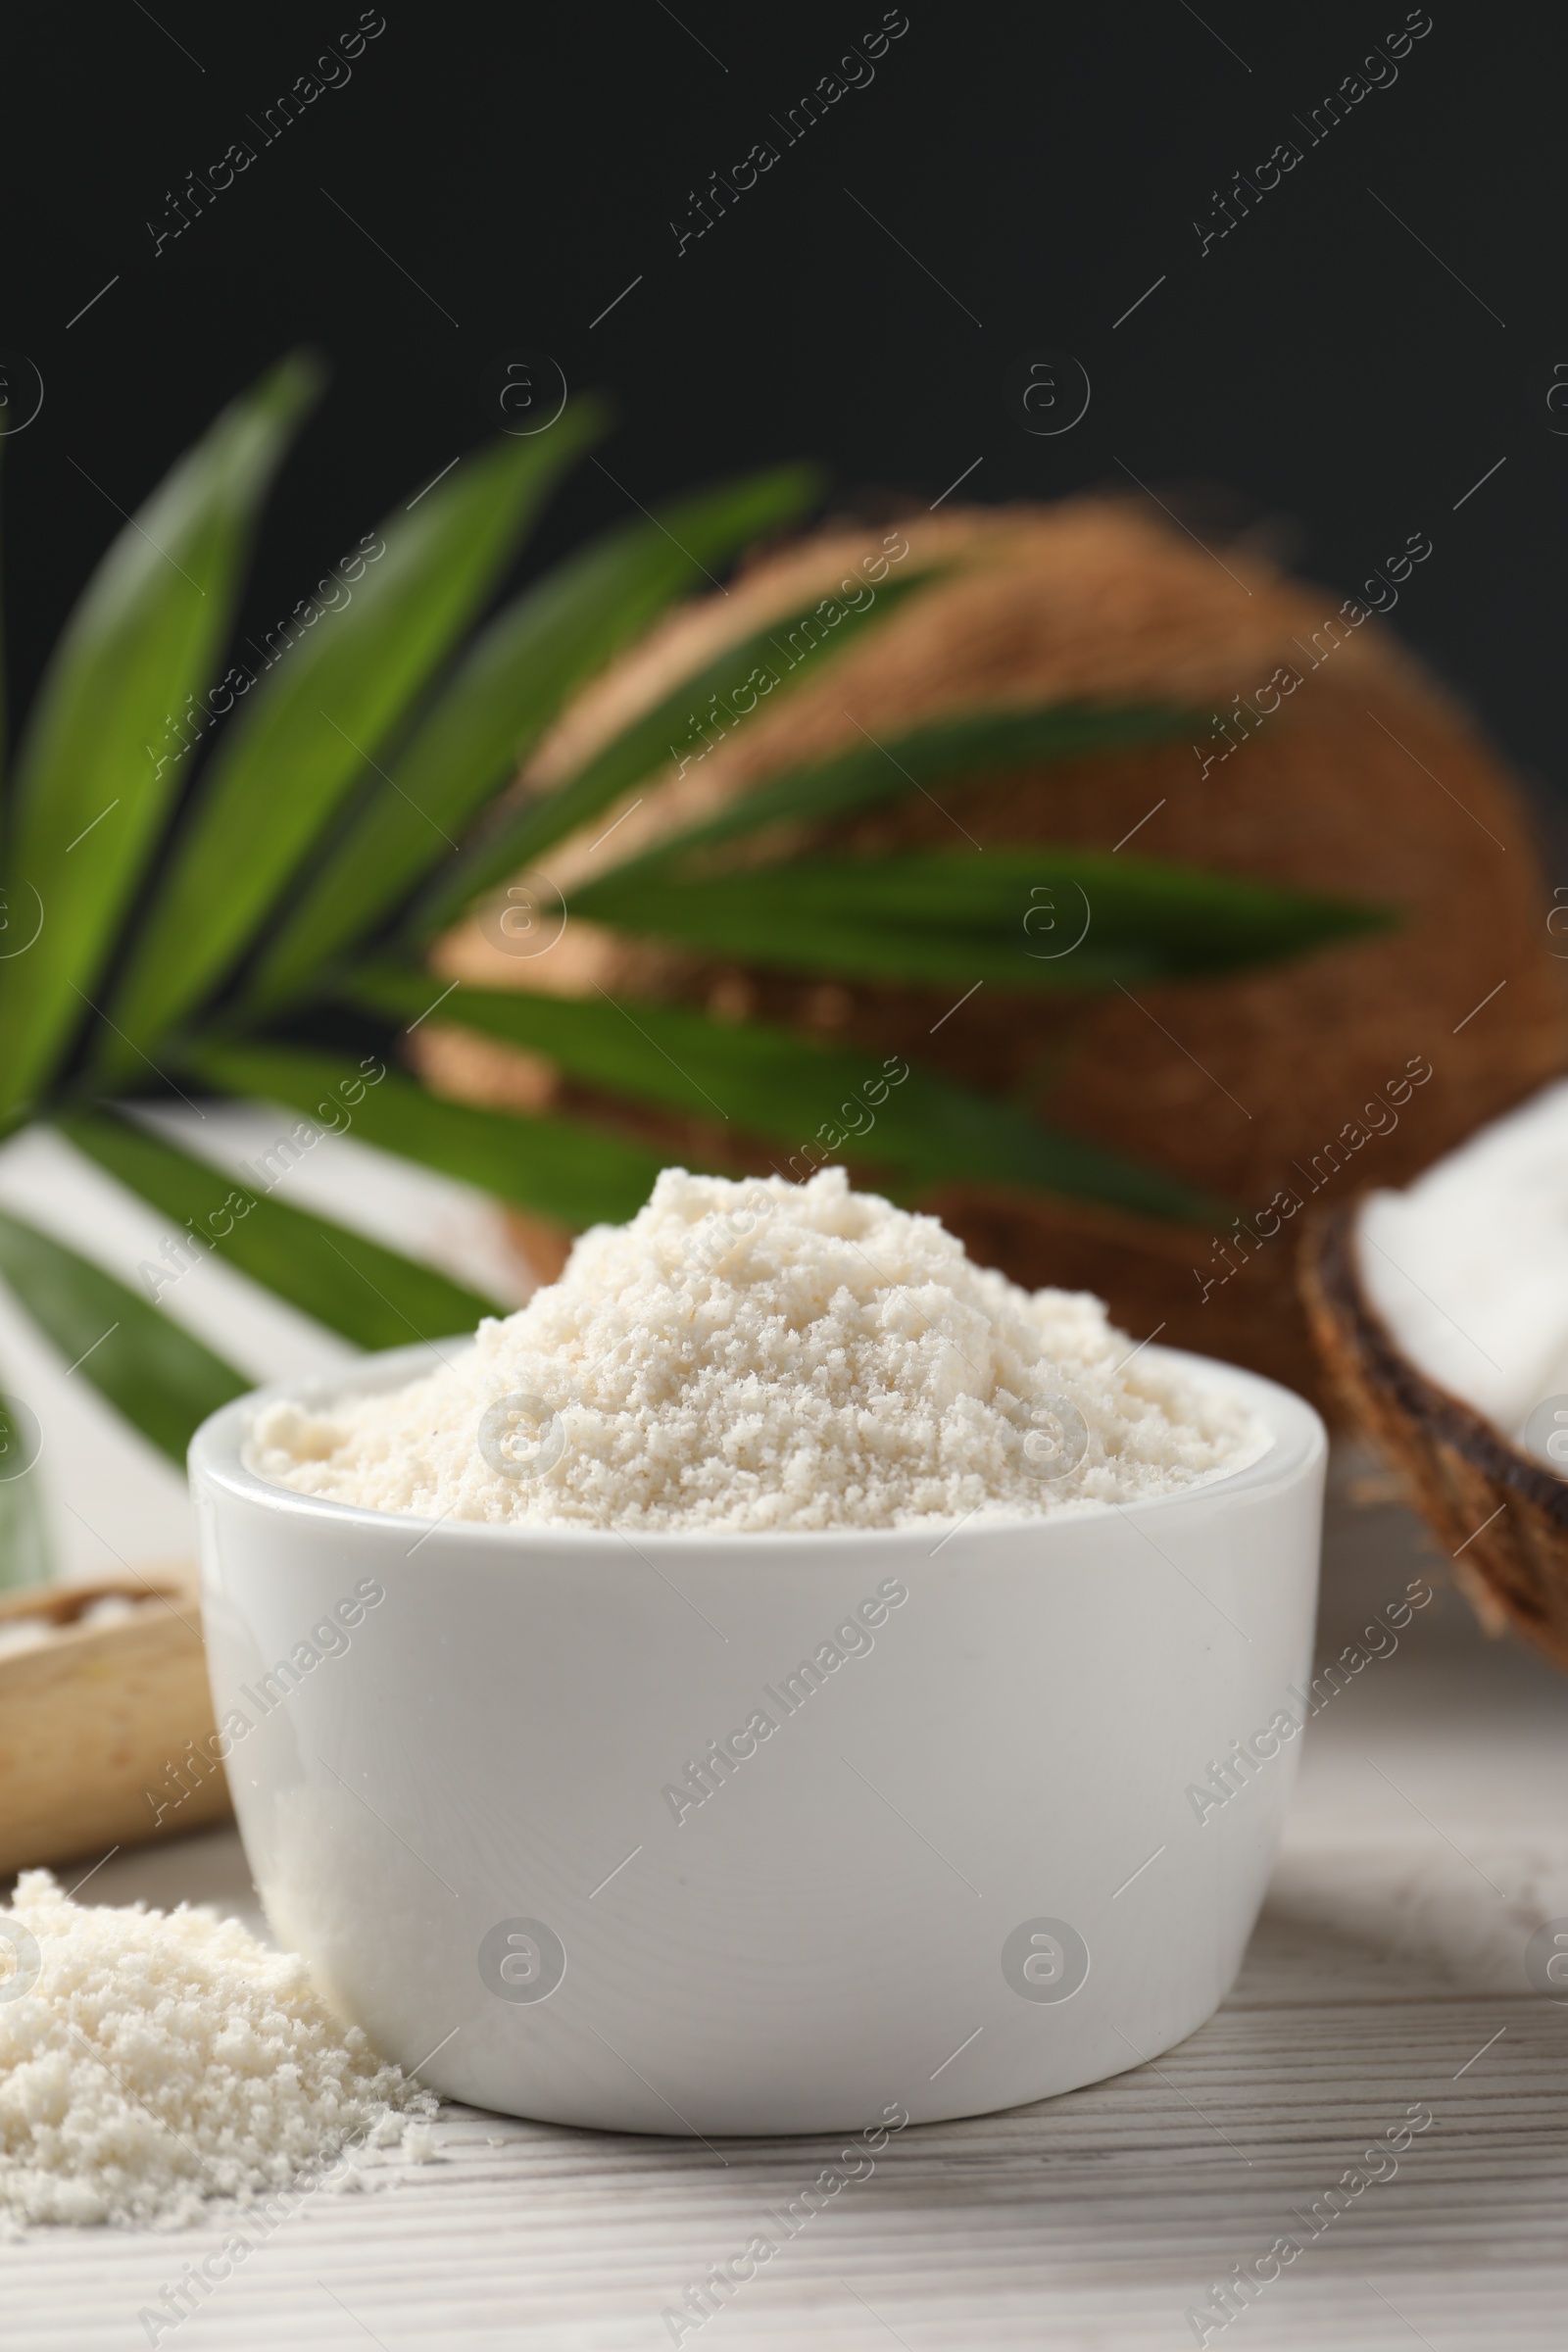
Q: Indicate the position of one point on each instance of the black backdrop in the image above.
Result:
(1369, 330)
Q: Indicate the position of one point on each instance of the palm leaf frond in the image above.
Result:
(361, 1289)
(555, 1167)
(816, 1103)
(771, 661)
(1066, 920)
(958, 749)
(154, 1374)
(510, 686)
(318, 717)
(102, 758)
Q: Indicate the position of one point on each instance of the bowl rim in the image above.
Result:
(1297, 1441)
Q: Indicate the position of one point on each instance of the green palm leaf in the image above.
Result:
(102, 757)
(154, 1375)
(370, 1294)
(321, 716)
(816, 1103)
(782, 655)
(509, 688)
(1068, 920)
(967, 744)
(557, 1167)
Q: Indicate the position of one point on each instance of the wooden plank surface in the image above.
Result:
(1428, 1838)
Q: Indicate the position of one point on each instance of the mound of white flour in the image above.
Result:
(769, 1355)
(150, 2061)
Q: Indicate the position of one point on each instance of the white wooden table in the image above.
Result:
(1428, 1838)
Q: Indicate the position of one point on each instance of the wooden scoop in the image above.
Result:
(104, 1727)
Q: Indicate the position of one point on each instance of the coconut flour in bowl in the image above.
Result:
(770, 1357)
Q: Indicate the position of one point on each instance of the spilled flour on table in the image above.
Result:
(150, 2061)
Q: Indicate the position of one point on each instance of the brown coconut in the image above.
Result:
(1501, 1517)
(1366, 781)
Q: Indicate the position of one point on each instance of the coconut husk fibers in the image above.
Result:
(1501, 1517)
(1367, 780)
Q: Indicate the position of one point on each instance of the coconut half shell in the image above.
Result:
(1501, 1518)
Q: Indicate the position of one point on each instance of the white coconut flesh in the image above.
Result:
(1468, 1268)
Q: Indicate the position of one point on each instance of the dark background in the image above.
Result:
(1318, 374)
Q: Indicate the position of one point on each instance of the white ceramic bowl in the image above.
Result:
(965, 1867)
